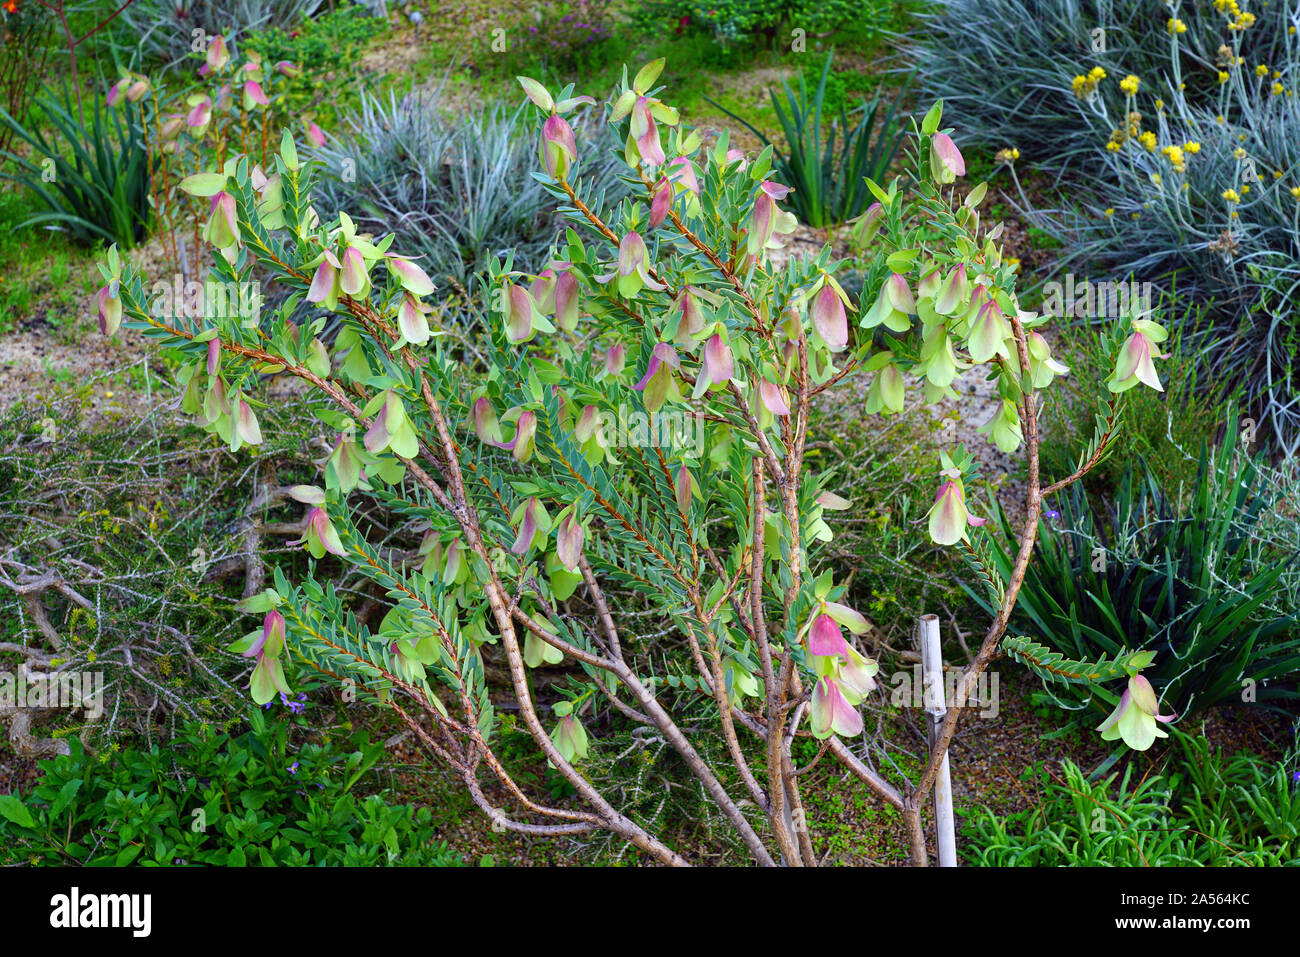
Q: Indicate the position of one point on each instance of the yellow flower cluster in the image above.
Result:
(1176, 26)
(1176, 159)
(1130, 84)
(1007, 155)
(1240, 19)
(1231, 196)
(1148, 140)
(1084, 85)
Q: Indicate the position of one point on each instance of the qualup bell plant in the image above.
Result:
(553, 511)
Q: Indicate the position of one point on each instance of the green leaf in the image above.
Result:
(16, 811)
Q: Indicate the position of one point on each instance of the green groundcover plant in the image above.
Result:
(217, 799)
(545, 510)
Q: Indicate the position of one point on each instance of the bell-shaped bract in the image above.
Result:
(325, 287)
(645, 133)
(534, 525)
(354, 278)
(223, 225)
(825, 638)
(1134, 363)
(886, 393)
(768, 221)
(683, 485)
(538, 652)
(894, 306)
(559, 148)
(315, 135)
(485, 421)
(948, 515)
(521, 313)
(829, 318)
(217, 54)
(857, 676)
(831, 712)
(568, 300)
(1042, 367)
(254, 95)
(410, 276)
(411, 320)
(1136, 719)
(773, 398)
(570, 738)
(719, 366)
(321, 536)
(199, 116)
(568, 541)
(946, 162)
(989, 334)
(392, 430)
(615, 358)
(246, 426)
(952, 292)
(110, 308)
(661, 201)
(1003, 427)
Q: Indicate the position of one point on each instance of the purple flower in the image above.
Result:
(293, 768)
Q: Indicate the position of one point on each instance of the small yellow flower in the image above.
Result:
(1223, 77)
(1239, 153)
(1277, 174)
(1295, 191)
(1231, 196)
(1234, 215)
(1176, 26)
(1130, 84)
(1181, 87)
(1261, 70)
(1097, 73)
(1110, 210)
(1192, 147)
(1155, 179)
(1148, 139)
(1219, 119)
(1160, 104)
(1276, 89)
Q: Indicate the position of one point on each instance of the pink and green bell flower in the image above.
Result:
(534, 525)
(254, 95)
(392, 429)
(1135, 361)
(1136, 719)
(989, 334)
(217, 55)
(314, 134)
(222, 229)
(831, 712)
(1003, 427)
(768, 222)
(109, 303)
(658, 384)
(953, 292)
(267, 678)
(320, 536)
(949, 516)
(887, 393)
(558, 148)
(569, 535)
(829, 317)
(946, 162)
(894, 306)
(570, 738)
(857, 676)
(1042, 367)
(633, 268)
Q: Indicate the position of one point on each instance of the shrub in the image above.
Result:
(524, 465)
(220, 800)
(1182, 577)
(24, 49)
